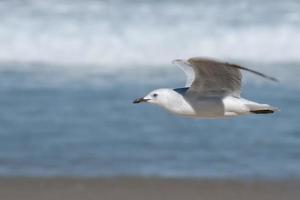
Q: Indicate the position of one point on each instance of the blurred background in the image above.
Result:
(70, 69)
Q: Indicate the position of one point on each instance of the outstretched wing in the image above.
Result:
(187, 69)
(210, 77)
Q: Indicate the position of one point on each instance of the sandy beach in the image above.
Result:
(144, 188)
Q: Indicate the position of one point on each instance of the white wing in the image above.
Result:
(188, 70)
(209, 77)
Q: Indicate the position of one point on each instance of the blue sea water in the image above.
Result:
(69, 72)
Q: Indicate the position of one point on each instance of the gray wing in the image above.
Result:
(211, 77)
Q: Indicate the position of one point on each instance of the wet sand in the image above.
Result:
(145, 189)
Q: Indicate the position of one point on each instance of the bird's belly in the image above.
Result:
(208, 107)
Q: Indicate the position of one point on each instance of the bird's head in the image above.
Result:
(159, 97)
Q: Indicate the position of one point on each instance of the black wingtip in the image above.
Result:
(274, 79)
(271, 78)
(253, 71)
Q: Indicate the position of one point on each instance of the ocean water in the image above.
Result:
(69, 71)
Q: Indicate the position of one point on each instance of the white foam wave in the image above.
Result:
(152, 47)
(115, 34)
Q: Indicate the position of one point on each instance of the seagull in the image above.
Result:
(212, 90)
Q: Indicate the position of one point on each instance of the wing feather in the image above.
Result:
(215, 78)
(187, 69)
(208, 77)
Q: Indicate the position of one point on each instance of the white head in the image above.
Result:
(160, 97)
(170, 99)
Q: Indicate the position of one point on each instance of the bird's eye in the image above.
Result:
(155, 95)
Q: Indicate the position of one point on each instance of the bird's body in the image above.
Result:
(212, 91)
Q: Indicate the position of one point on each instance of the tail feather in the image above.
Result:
(262, 111)
(261, 108)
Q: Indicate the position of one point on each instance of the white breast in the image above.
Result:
(208, 107)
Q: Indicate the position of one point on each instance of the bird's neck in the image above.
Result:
(176, 103)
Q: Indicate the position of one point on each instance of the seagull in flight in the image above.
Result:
(212, 90)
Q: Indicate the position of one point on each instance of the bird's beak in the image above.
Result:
(140, 100)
